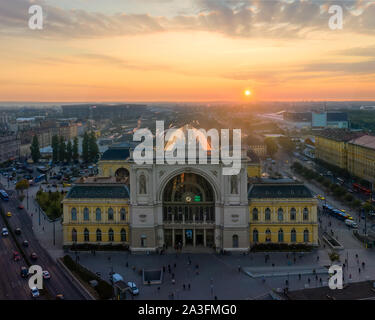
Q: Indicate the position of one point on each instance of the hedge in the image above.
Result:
(281, 247)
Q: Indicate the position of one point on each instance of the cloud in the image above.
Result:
(242, 18)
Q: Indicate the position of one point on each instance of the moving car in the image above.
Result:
(25, 243)
(35, 292)
(320, 197)
(60, 296)
(351, 223)
(33, 256)
(17, 231)
(24, 272)
(20, 206)
(4, 232)
(46, 275)
(133, 288)
(9, 214)
(16, 256)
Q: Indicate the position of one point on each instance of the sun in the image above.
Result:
(247, 93)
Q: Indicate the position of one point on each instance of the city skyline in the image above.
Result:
(191, 50)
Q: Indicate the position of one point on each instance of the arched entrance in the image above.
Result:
(122, 175)
(188, 211)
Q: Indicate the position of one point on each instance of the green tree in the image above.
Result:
(62, 149)
(287, 144)
(93, 147)
(85, 147)
(34, 148)
(69, 151)
(55, 148)
(271, 146)
(75, 154)
(22, 185)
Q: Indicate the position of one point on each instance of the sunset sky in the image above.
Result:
(186, 50)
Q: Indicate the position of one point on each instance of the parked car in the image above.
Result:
(133, 288)
(46, 275)
(25, 243)
(33, 256)
(24, 272)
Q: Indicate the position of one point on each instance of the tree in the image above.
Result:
(93, 147)
(85, 147)
(62, 149)
(69, 151)
(55, 148)
(75, 154)
(287, 144)
(35, 152)
(271, 146)
(22, 185)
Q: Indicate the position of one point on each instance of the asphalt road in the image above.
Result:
(60, 283)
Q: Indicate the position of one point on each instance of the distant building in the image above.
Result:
(317, 119)
(9, 147)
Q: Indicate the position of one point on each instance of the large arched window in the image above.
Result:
(98, 235)
(268, 214)
(123, 235)
(255, 214)
(123, 214)
(86, 235)
(86, 214)
(293, 235)
(306, 235)
(305, 214)
(235, 241)
(98, 214)
(293, 212)
(281, 235)
(255, 236)
(74, 235)
(268, 235)
(74, 214)
(110, 214)
(280, 214)
(111, 235)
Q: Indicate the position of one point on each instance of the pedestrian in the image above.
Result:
(163, 269)
(183, 286)
(215, 298)
(189, 286)
(173, 281)
(317, 258)
(363, 264)
(299, 277)
(308, 280)
(286, 282)
(175, 265)
(239, 268)
(359, 270)
(158, 289)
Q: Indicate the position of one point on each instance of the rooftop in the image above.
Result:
(366, 141)
(279, 190)
(98, 191)
(337, 116)
(116, 154)
(341, 135)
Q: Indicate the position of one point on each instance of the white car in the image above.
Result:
(351, 223)
(46, 275)
(34, 292)
(133, 288)
(4, 232)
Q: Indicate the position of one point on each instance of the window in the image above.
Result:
(235, 241)
(98, 214)
(111, 235)
(123, 235)
(293, 214)
(268, 235)
(280, 214)
(255, 236)
(143, 241)
(86, 235)
(74, 214)
(268, 214)
(306, 235)
(98, 235)
(123, 214)
(255, 214)
(281, 235)
(110, 214)
(86, 214)
(74, 235)
(305, 214)
(293, 236)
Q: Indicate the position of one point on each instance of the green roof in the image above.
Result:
(98, 192)
(279, 191)
(116, 154)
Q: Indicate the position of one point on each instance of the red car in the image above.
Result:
(21, 207)
(16, 256)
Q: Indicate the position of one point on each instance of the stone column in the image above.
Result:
(204, 237)
(183, 237)
(194, 234)
(173, 238)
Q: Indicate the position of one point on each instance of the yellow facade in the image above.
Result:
(254, 170)
(109, 168)
(331, 151)
(75, 220)
(361, 162)
(268, 228)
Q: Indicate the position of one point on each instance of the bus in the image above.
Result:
(336, 213)
(3, 195)
(40, 178)
(357, 187)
